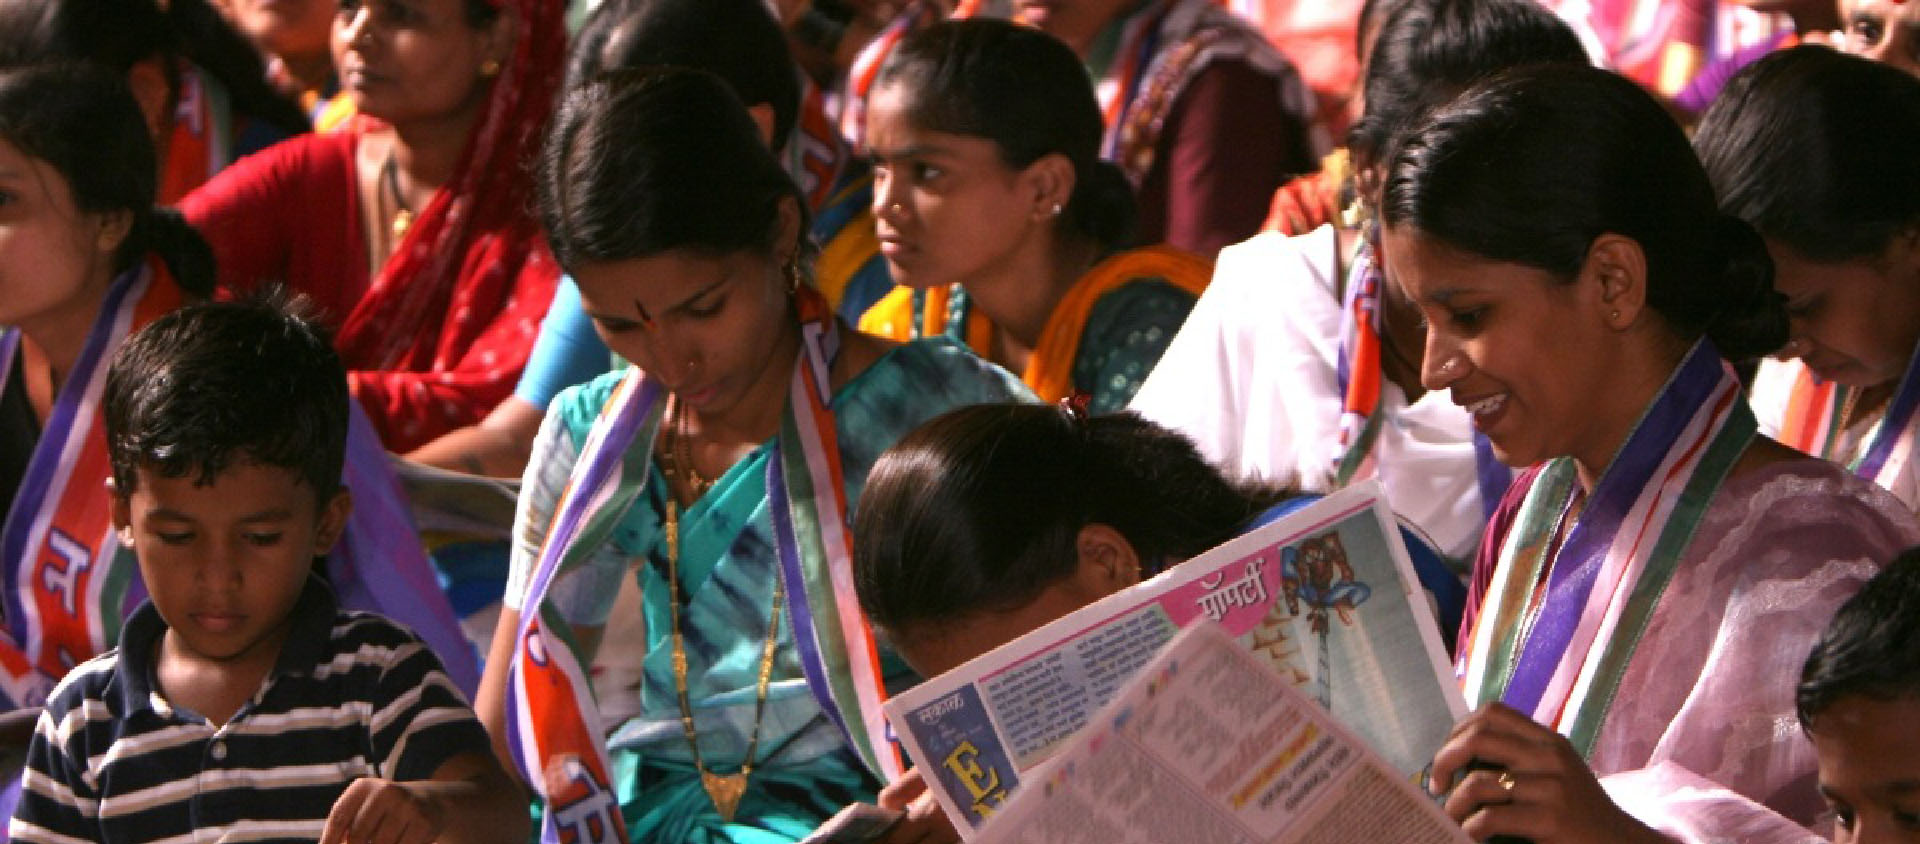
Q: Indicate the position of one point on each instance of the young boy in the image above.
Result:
(240, 703)
(1859, 699)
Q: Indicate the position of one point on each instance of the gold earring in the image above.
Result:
(793, 276)
(489, 68)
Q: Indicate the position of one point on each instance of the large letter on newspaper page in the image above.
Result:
(1326, 595)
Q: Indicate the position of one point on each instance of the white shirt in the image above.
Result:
(1252, 378)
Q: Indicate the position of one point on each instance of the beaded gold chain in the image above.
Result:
(725, 791)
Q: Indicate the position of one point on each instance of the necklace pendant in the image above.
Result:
(726, 792)
(402, 220)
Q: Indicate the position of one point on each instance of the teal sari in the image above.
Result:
(804, 771)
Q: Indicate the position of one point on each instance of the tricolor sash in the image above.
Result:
(1568, 603)
(913, 16)
(1359, 376)
(68, 583)
(200, 142)
(1358, 369)
(63, 589)
(1812, 424)
(554, 729)
(815, 155)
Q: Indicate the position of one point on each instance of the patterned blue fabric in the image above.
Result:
(727, 567)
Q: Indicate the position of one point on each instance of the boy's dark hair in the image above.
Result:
(1872, 647)
(216, 383)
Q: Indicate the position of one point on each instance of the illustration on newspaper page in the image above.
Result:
(1325, 594)
(1210, 743)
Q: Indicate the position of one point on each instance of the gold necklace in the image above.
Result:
(677, 462)
(403, 214)
(725, 791)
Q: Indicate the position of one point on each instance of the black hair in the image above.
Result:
(1427, 51)
(979, 509)
(482, 13)
(1026, 92)
(1534, 164)
(1366, 25)
(737, 40)
(117, 34)
(1807, 146)
(640, 162)
(215, 383)
(84, 123)
(1871, 648)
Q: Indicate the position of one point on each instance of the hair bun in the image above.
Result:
(164, 232)
(1752, 320)
(1102, 206)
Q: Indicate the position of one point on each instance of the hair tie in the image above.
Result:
(1076, 406)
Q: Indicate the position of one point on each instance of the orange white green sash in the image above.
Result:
(1358, 369)
(554, 728)
(64, 593)
(1358, 373)
(1571, 597)
(1812, 424)
(68, 583)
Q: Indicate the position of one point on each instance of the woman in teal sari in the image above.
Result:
(738, 697)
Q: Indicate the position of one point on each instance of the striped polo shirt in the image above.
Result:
(352, 695)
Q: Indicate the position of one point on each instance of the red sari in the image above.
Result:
(440, 334)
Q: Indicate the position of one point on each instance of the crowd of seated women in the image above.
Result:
(833, 344)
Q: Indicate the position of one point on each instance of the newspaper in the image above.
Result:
(457, 505)
(1327, 595)
(1210, 743)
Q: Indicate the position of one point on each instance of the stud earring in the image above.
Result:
(490, 68)
(793, 276)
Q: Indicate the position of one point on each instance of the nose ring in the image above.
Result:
(1446, 366)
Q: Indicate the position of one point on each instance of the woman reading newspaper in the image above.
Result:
(990, 521)
(1647, 589)
(1797, 146)
(717, 472)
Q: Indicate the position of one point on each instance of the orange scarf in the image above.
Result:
(1050, 371)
